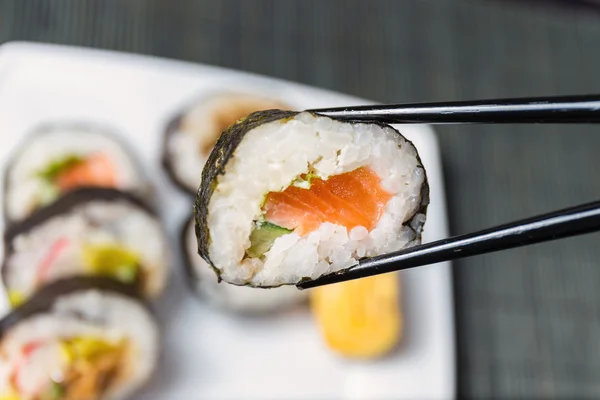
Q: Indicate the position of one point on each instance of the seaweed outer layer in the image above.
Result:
(166, 160)
(224, 150)
(43, 300)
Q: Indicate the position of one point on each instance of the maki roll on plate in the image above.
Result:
(55, 159)
(230, 297)
(77, 339)
(288, 196)
(190, 136)
(100, 232)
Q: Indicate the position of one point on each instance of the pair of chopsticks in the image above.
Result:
(560, 224)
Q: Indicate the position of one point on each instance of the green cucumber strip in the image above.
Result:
(262, 238)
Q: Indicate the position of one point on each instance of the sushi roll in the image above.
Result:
(78, 339)
(288, 197)
(55, 159)
(230, 297)
(190, 136)
(93, 231)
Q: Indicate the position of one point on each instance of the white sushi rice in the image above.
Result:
(95, 222)
(236, 298)
(93, 313)
(200, 127)
(270, 157)
(24, 188)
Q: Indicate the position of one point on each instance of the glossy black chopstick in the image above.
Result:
(582, 109)
(556, 225)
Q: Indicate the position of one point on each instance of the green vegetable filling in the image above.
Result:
(113, 261)
(262, 237)
(58, 166)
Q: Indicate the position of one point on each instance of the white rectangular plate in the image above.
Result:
(207, 353)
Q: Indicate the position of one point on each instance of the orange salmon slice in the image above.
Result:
(96, 170)
(352, 199)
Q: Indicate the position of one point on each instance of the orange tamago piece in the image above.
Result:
(361, 318)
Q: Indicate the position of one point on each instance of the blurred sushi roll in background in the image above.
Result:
(57, 158)
(288, 196)
(239, 299)
(90, 231)
(78, 339)
(190, 135)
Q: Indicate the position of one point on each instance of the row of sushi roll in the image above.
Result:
(281, 197)
(287, 196)
(84, 256)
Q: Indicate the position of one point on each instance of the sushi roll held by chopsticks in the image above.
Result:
(287, 197)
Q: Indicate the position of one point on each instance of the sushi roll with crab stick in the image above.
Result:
(237, 299)
(288, 197)
(78, 339)
(55, 159)
(93, 231)
(190, 135)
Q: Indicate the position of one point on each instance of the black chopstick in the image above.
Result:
(582, 109)
(556, 225)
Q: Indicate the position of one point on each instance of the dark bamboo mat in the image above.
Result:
(528, 320)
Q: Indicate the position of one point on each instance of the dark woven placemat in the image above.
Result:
(528, 320)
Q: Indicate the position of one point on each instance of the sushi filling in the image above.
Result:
(73, 171)
(327, 194)
(353, 199)
(74, 368)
